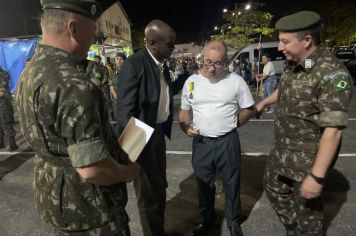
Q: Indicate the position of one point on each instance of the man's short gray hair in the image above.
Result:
(314, 32)
(53, 21)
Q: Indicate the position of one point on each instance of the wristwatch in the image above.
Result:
(319, 180)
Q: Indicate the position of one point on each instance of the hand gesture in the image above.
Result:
(192, 131)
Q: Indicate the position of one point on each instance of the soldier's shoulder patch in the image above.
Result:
(341, 80)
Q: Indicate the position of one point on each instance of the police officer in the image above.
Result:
(6, 113)
(80, 172)
(312, 97)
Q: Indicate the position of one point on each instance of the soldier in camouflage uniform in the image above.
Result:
(99, 75)
(6, 113)
(113, 80)
(312, 109)
(80, 172)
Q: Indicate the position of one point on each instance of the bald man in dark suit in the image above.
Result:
(146, 92)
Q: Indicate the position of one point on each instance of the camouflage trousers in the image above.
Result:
(6, 123)
(111, 229)
(291, 208)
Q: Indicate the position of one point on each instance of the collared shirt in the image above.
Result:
(312, 95)
(215, 103)
(163, 105)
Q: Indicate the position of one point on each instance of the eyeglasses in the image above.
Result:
(217, 65)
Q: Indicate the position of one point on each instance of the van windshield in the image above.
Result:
(273, 52)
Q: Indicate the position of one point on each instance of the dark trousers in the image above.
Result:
(221, 156)
(6, 120)
(292, 209)
(150, 186)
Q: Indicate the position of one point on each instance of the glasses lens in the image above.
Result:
(217, 65)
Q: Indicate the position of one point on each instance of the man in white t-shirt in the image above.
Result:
(269, 79)
(220, 101)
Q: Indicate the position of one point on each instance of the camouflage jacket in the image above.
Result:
(312, 95)
(63, 118)
(98, 74)
(113, 80)
(4, 82)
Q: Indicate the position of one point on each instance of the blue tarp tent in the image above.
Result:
(13, 55)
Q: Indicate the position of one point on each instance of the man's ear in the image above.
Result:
(308, 41)
(72, 28)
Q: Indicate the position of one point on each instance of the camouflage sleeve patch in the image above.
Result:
(341, 80)
(88, 152)
(334, 99)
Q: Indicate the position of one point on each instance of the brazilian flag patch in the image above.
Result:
(341, 84)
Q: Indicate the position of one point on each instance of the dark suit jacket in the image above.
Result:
(139, 91)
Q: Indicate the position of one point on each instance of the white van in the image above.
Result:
(251, 51)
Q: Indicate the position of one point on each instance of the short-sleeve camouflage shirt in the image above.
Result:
(113, 79)
(312, 95)
(63, 118)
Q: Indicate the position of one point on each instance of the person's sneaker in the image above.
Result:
(269, 112)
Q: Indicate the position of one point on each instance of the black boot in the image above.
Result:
(203, 229)
(13, 145)
(2, 144)
(291, 230)
(235, 230)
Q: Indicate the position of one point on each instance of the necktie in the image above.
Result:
(163, 106)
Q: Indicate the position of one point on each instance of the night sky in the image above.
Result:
(193, 20)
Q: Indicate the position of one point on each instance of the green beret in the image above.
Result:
(88, 8)
(298, 21)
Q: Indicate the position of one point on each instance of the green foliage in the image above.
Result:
(243, 27)
(340, 24)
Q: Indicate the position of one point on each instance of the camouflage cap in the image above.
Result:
(120, 54)
(88, 8)
(298, 21)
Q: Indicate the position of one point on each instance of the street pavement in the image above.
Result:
(19, 217)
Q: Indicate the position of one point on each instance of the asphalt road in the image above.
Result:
(19, 217)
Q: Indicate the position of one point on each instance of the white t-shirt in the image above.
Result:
(215, 103)
(268, 69)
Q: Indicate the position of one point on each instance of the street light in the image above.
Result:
(248, 7)
(215, 28)
(225, 10)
